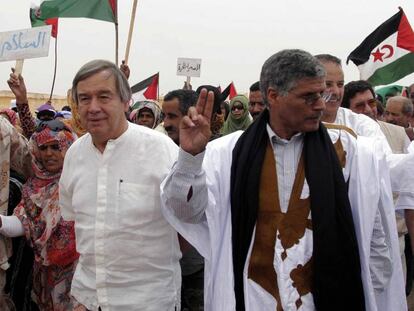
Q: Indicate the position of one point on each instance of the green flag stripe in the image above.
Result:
(394, 71)
(95, 9)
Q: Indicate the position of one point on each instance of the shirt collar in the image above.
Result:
(275, 139)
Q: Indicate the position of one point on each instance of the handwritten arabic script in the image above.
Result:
(190, 67)
(22, 44)
(186, 67)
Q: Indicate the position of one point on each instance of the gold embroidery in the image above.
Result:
(290, 225)
(333, 126)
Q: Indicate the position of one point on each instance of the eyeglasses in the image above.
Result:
(370, 102)
(237, 107)
(54, 125)
(311, 99)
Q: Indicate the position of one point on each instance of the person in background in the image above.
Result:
(359, 96)
(75, 122)
(175, 106)
(256, 104)
(38, 218)
(146, 113)
(217, 117)
(45, 112)
(225, 109)
(13, 105)
(398, 111)
(238, 119)
(10, 115)
(14, 157)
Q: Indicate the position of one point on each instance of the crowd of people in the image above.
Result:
(297, 197)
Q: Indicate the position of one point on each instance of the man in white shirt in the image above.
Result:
(359, 96)
(270, 211)
(129, 255)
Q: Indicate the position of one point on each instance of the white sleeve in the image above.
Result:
(380, 256)
(11, 226)
(65, 196)
(184, 190)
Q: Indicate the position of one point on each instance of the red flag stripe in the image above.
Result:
(54, 23)
(113, 5)
(405, 37)
(152, 90)
(233, 91)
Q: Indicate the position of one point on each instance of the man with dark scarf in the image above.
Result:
(269, 209)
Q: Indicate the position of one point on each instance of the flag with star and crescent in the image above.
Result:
(387, 54)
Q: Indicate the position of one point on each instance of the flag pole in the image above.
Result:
(54, 73)
(116, 34)
(131, 29)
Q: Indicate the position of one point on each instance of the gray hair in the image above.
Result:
(328, 58)
(407, 105)
(283, 70)
(96, 66)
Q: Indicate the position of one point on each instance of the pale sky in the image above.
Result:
(232, 37)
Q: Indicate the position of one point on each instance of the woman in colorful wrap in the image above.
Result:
(38, 218)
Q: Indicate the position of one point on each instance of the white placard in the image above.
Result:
(25, 43)
(189, 67)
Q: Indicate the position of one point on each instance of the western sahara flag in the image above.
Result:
(104, 10)
(386, 55)
(146, 89)
(36, 21)
(229, 91)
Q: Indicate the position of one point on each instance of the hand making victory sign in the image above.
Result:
(195, 127)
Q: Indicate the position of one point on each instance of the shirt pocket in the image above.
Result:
(136, 204)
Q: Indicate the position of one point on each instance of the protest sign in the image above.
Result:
(25, 43)
(189, 67)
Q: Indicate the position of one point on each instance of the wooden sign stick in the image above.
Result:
(18, 68)
(131, 29)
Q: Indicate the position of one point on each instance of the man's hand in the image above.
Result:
(17, 86)
(195, 127)
(125, 69)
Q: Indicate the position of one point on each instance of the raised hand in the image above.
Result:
(125, 69)
(195, 127)
(18, 87)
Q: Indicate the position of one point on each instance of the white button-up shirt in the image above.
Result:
(128, 253)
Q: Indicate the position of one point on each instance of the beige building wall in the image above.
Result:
(35, 100)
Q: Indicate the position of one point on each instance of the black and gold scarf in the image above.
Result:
(337, 283)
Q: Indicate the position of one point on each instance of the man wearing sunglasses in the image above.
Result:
(359, 97)
(278, 212)
(129, 254)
